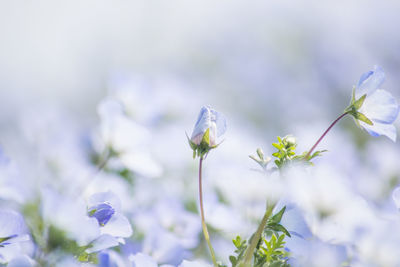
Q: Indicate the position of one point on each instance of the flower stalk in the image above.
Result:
(203, 220)
(324, 134)
(255, 239)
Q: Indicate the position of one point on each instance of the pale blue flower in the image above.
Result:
(102, 212)
(105, 207)
(396, 197)
(12, 232)
(208, 119)
(379, 106)
(143, 260)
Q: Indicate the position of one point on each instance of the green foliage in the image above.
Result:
(286, 150)
(241, 246)
(261, 160)
(270, 252)
(274, 224)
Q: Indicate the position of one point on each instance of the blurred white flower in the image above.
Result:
(186, 263)
(127, 138)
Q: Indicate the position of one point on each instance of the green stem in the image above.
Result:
(203, 220)
(323, 135)
(257, 236)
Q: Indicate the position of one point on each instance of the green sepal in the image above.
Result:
(204, 147)
(361, 117)
(357, 104)
(206, 138)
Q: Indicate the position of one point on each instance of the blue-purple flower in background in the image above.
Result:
(373, 108)
(114, 226)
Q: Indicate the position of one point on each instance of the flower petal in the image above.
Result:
(380, 129)
(103, 242)
(203, 122)
(143, 260)
(11, 223)
(370, 81)
(118, 226)
(104, 197)
(220, 122)
(380, 106)
(396, 197)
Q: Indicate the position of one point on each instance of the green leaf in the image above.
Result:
(361, 117)
(260, 153)
(278, 217)
(317, 154)
(281, 228)
(277, 146)
(357, 104)
(233, 260)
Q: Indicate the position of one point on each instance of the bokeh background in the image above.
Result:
(272, 67)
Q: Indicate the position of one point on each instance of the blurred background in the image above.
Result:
(272, 67)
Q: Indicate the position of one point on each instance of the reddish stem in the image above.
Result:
(323, 135)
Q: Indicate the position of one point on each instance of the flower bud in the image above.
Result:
(209, 126)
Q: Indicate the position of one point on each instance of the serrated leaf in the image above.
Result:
(361, 117)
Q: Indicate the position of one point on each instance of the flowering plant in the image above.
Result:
(124, 198)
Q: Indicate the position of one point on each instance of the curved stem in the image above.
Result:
(257, 236)
(323, 135)
(106, 155)
(203, 220)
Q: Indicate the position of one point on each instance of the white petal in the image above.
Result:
(203, 122)
(142, 162)
(11, 223)
(380, 106)
(103, 242)
(396, 197)
(105, 197)
(143, 260)
(186, 263)
(20, 261)
(370, 81)
(118, 226)
(380, 129)
(220, 121)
